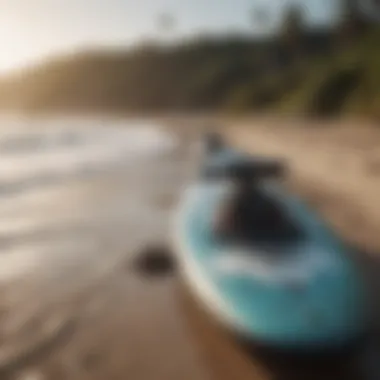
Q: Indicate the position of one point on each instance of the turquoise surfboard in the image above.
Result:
(302, 293)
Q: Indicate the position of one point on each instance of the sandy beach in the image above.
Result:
(73, 304)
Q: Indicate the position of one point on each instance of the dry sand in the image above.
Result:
(336, 169)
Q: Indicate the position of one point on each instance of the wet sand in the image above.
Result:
(74, 306)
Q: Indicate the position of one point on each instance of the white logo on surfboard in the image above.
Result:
(299, 268)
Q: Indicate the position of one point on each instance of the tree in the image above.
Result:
(293, 29)
(166, 22)
(371, 10)
(259, 17)
(353, 22)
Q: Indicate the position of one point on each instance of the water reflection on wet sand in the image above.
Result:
(75, 211)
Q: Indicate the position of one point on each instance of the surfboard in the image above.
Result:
(301, 293)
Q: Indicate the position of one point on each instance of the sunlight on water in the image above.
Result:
(69, 150)
(57, 186)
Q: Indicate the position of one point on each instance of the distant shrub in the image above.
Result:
(229, 74)
(330, 97)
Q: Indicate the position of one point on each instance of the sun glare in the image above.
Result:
(7, 65)
(10, 59)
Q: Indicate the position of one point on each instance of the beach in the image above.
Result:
(82, 199)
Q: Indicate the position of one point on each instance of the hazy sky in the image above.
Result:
(32, 29)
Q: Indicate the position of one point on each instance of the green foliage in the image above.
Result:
(346, 83)
(232, 74)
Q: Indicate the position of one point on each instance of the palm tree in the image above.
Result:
(259, 17)
(354, 21)
(166, 22)
(293, 28)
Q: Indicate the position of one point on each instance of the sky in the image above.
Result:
(31, 30)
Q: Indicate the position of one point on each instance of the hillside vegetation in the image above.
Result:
(309, 72)
(347, 82)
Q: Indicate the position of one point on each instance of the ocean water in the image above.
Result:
(80, 199)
